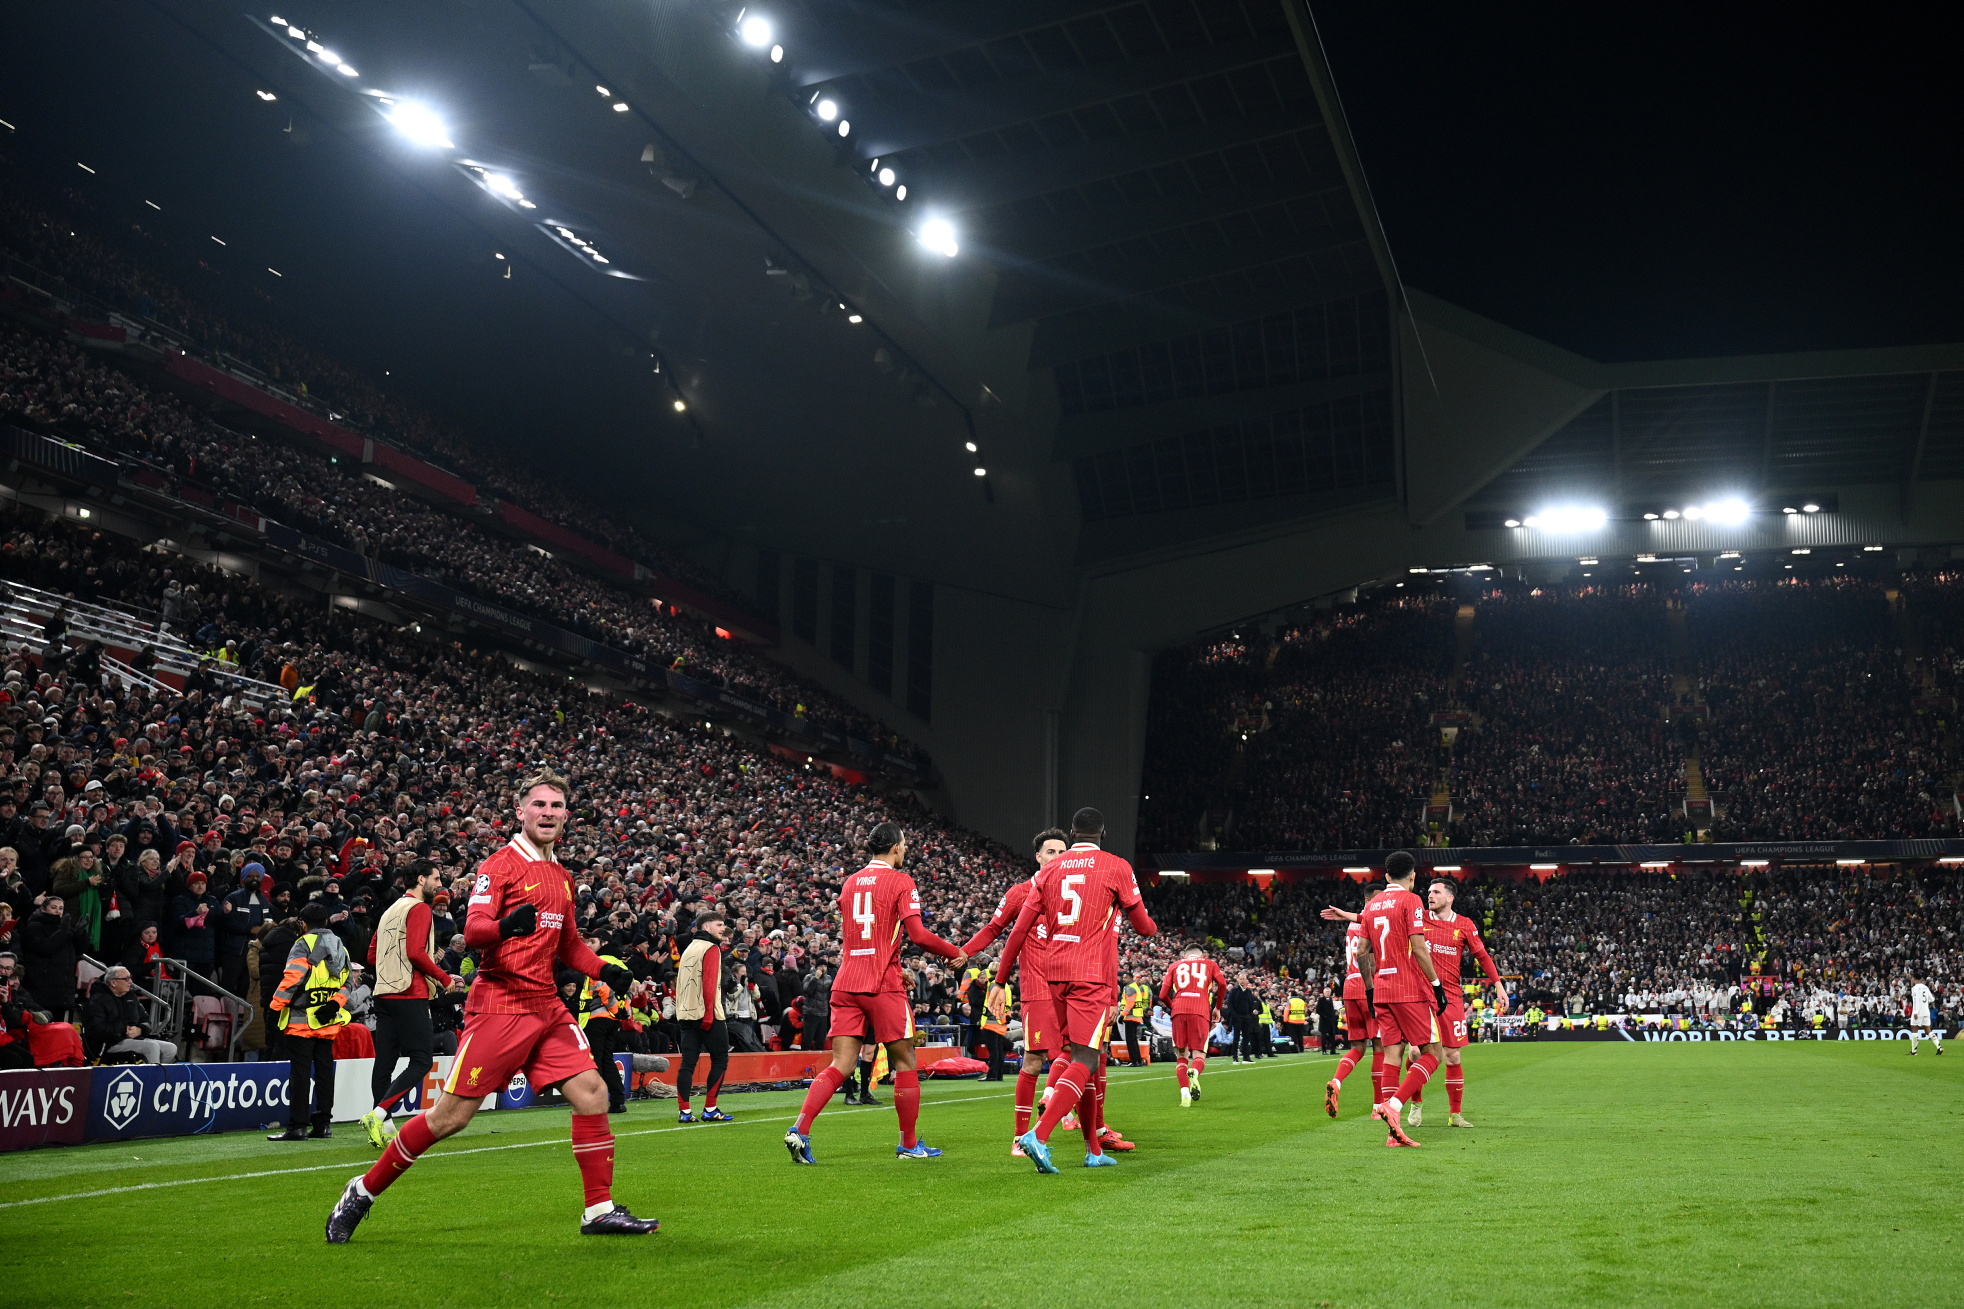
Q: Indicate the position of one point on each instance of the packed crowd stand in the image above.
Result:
(1765, 945)
(50, 385)
(1811, 719)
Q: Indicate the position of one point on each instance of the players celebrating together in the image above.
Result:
(1402, 1000)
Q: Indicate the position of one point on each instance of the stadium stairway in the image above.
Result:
(25, 610)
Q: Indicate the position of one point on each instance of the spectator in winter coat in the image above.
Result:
(189, 933)
(51, 945)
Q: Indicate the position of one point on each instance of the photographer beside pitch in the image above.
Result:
(521, 918)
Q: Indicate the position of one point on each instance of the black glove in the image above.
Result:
(324, 1015)
(522, 921)
(1439, 995)
(616, 977)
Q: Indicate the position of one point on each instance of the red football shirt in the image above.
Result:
(1451, 937)
(1078, 897)
(876, 905)
(1193, 986)
(1001, 921)
(515, 976)
(1391, 918)
(1353, 976)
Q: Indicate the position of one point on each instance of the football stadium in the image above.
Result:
(840, 652)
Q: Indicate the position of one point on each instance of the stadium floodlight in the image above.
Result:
(938, 235)
(277, 21)
(1789, 509)
(267, 96)
(501, 184)
(1693, 513)
(421, 124)
(1650, 517)
(1729, 512)
(900, 192)
(1545, 868)
(855, 318)
(1810, 508)
(1672, 514)
(1446, 868)
(1754, 863)
(346, 71)
(887, 177)
(1871, 549)
(1851, 863)
(603, 91)
(680, 406)
(755, 31)
(845, 127)
(1805, 550)
(777, 54)
(981, 472)
(828, 109)
(1269, 872)
(1513, 522)
(970, 445)
(1570, 518)
(328, 57)
(1347, 870)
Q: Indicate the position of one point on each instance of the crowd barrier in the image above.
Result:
(70, 1106)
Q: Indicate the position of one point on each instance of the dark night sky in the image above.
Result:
(1667, 180)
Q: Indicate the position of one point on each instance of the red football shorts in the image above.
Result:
(1082, 1009)
(1041, 1030)
(881, 1016)
(1357, 1022)
(547, 1048)
(1190, 1032)
(1452, 1023)
(1414, 1022)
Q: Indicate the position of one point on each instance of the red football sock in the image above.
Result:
(1455, 1085)
(907, 1104)
(1415, 1079)
(1026, 1099)
(1091, 1109)
(1064, 1098)
(1180, 1072)
(1057, 1067)
(1348, 1062)
(824, 1087)
(1377, 1076)
(1200, 1063)
(709, 1096)
(593, 1150)
(409, 1143)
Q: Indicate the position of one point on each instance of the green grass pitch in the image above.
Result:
(1668, 1174)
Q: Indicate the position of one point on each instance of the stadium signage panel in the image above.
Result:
(184, 1099)
(1570, 856)
(43, 1106)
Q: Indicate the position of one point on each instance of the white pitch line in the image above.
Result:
(513, 1145)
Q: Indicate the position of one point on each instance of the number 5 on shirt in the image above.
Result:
(1068, 890)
